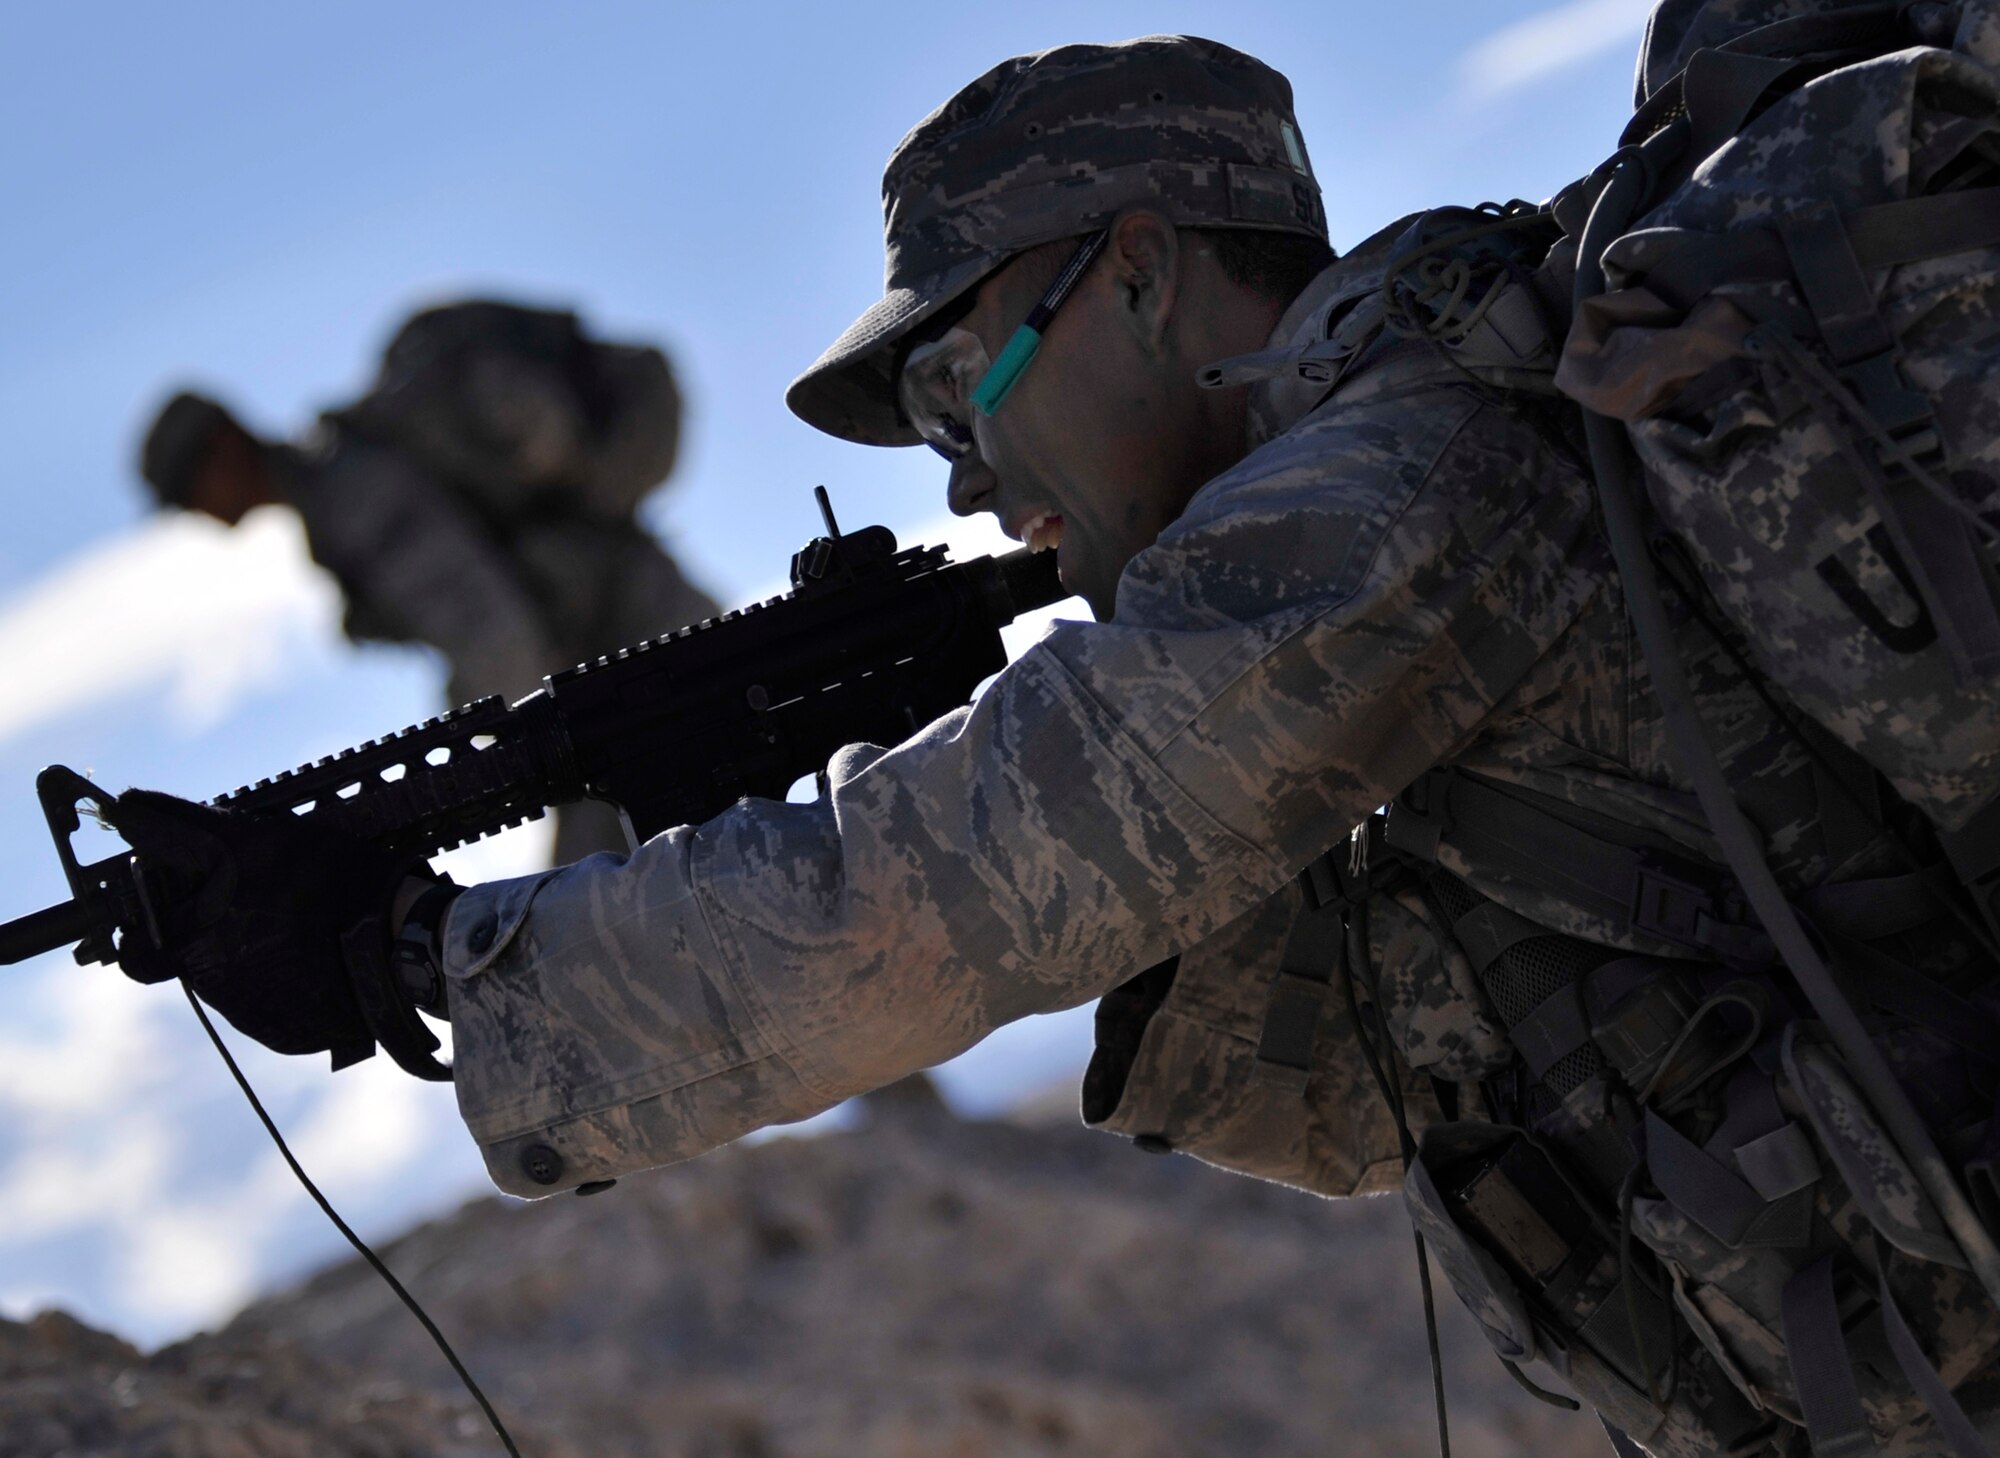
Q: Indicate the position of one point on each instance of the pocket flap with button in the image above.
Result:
(483, 920)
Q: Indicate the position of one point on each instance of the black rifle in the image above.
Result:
(870, 645)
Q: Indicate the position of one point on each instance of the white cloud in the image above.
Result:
(88, 1043)
(1531, 49)
(108, 1178)
(179, 606)
(372, 1121)
(194, 1264)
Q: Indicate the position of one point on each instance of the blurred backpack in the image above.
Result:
(525, 415)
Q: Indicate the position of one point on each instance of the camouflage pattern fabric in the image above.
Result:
(1745, 460)
(523, 411)
(1048, 146)
(417, 565)
(1678, 28)
(414, 565)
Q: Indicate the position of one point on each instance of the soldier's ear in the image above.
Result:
(1143, 256)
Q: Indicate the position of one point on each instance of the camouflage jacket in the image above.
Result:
(1403, 574)
(417, 563)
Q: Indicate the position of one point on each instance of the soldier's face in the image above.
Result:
(1096, 449)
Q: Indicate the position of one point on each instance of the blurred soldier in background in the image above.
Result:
(480, 499)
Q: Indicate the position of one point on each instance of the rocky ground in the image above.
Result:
(923, 1288)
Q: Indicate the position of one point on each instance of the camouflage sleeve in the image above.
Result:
(1327, 620)
(410, 558)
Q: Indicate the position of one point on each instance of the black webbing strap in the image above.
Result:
(1685, 265)
(1896, 988)
(1887, 235)
(1880, 906)
(1835, 286)
(1822, 1371)
(1974, 854)
(1702, 1188)
(1306, 971)
(1637, 888)
(1721, 89)
(1553, 1030)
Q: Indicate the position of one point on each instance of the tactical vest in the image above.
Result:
(1649, 1169)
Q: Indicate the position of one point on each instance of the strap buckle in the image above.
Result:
(1671, 906)
(1897, 408)
(1419, 817)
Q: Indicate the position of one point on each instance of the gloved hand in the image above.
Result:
(249, 910)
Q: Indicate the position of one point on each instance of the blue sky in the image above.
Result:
(247, 197)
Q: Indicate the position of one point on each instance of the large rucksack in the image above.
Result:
(1785, 334)
(522, 413)
(1801, 335)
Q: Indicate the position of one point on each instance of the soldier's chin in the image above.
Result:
(1083, 577)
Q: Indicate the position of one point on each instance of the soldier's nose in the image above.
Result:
(972, 486)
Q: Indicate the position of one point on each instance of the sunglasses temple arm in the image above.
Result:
(1005, 371)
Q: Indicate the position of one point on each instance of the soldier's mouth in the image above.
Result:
(1042, 532)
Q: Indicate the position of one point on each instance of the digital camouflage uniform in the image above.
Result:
(417, 565)
(485, 515)
(1404, 572)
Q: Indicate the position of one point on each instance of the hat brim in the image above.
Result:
(848, 391)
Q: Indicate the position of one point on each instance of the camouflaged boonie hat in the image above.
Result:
(1047, 146)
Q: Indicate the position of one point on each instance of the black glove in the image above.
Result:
(252, 910)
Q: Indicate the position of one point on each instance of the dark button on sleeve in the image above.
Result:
(541, 1164)
(480, 936)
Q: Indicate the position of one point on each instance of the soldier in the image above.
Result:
(1332, 568)
(479, 500)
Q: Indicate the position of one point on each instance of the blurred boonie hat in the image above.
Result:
(176, 442)
(1048, 146)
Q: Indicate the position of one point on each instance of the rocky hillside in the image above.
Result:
(924, 1288)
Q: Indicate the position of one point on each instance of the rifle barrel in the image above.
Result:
(42, 931)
